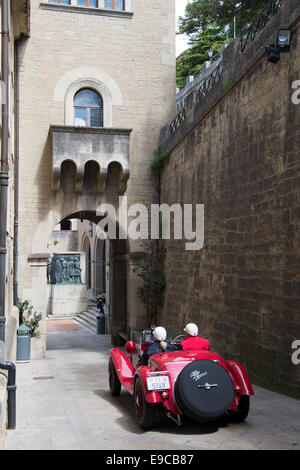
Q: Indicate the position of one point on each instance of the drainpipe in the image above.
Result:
(4, 171)
(11, 393)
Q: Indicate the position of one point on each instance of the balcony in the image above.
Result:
(81, 145)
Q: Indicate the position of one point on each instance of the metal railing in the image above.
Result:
(267, 13)
(204, 88)
(211, 80)
(202, 74)
(178, 120)
(250, 33)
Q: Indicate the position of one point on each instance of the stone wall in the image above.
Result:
(63, 240)
(237, 152)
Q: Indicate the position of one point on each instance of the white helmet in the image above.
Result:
(160, 333)
(191, 329)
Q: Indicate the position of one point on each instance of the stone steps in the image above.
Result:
(88, 318)
(61, 317)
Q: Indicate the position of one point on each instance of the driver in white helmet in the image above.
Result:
(192, 340)
(158, 346)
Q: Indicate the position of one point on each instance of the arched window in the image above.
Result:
(88, 108)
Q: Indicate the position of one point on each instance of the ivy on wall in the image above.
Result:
(161, 159)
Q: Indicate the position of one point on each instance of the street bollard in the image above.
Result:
(101, 324)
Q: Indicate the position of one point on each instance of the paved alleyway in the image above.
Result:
(63, 402)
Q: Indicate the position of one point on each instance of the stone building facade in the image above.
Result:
(125, 53)
(18, 26)
(74, 155)
(235, 149)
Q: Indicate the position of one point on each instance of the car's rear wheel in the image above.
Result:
(241, 412)
(145, 412)
(114, 382)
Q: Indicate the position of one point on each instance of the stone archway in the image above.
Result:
(118, 276)
(126, 310)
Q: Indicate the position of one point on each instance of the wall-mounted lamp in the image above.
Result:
(283, 44)
(284, 39)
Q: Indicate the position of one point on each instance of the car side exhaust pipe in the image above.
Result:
(176, 419)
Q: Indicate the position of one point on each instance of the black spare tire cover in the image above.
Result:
(204, 390)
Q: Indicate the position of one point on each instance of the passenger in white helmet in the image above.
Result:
(159, 345)
(192, 340)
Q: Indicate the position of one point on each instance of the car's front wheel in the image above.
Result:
(114, 382)
(145, 412)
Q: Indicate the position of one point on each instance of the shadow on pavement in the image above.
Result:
(125, 404)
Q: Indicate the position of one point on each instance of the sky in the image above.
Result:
(181, 41)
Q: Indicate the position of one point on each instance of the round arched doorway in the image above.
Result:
(107, 265)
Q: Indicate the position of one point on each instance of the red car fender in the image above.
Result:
(150, 397)
(124, 369)
(240, 377)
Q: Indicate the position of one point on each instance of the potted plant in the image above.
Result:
(29, 317)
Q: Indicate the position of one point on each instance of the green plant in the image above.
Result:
(192, 59)
(29, 317)
(22, 306)
(161, 159)
(151, 272)
(203, 24)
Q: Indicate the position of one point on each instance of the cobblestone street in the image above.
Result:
(64, 402)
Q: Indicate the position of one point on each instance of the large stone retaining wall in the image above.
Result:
(237, 152)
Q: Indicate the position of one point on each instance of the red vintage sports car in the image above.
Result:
(197, 383)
